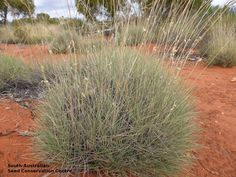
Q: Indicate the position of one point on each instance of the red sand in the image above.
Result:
(215, 102)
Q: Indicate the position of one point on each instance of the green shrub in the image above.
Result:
(14, 73)
(117, 111)
(221, 45)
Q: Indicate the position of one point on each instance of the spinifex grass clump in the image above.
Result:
(14, 73)
(24, 33)
(65, 42)
(221, 45)
(71, 42)
(134, 34)
(118, 112)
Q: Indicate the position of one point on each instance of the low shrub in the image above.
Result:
(117, 112)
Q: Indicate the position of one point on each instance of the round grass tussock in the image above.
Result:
(14, 73)
(64, 42)
(71, 42)
(118, 112)
(221, 45)
(133, 35)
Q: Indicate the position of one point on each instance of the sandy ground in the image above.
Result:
(215, 101)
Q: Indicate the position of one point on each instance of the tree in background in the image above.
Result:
(90, 7)
(43, 17)
(147, 5)
(16, 7)
(3, 12)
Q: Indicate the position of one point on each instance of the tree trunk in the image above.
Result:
(5, 15)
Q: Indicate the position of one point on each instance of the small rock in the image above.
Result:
(233, 79)
(18, 99)
(7, 108)
(24, 133)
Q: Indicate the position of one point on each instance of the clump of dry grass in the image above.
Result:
(28, 33)
(70, 41)
(117, 112)
(14, 73)
(221, 44)
(7, 34)
(132, 34)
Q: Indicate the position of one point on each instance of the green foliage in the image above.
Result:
(22, 21)
(55, 21)
(43, 17)
(25, 7)
(90, 7)
(17, 7)
(117, 111)
(167, 5)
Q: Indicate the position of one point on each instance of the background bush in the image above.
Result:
(71, 42)
(118, 111)
(64, 42)
(28, 33)
(134, 34)
(221, 44)
(14, 73)
(7, 34)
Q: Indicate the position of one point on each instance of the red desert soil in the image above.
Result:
(215, 101)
